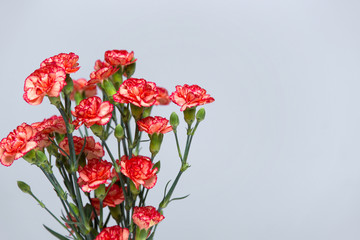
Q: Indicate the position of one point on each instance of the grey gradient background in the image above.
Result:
(277, 157)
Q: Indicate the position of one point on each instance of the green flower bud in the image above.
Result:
(200, 115)
(130, 70)
(155, 143)
(40, 157)
(146, 112)
(117, 79)
(97, 130)
(174, 121)
(24, 187)
(100, 192)
(119, 132)
(133, 189)
(126, 115)
(109, 88)
(116, 213)
(189, 115)
(69, 87)
(136, 111)
(78, 97)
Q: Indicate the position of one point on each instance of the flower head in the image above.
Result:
(103, 73)
(138, 92)
(17, 144)
(153, 125)
(67, 61)
(91, 149)
(48, 80)
(81, 86)
(146, 217)
(119, 57)
(93, 174)
(113, 233)
(46, 128)
(140, 170)
(114, 197)
(190, 96)
(163, 97)
(92, 111)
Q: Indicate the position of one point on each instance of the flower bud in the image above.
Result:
(146, 112)
(174, 121)
(69, 87)
(130, 70)
(24, 187)
(117, 79)
(116, 213)
(200, 115)
(155, 142)
(78, 97)
(97, 130)
(189, 115)
(136, 111)
(119, 132)
(133, 189)
(126, 115)
(40, 157)
(100, 192)
(109, 88)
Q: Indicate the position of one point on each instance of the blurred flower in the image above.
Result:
(153, 125)
(146, 217)
(81, 86)
(48, 80)
(17, 144)
(140, 170)
(190, 96)
(92, 111)
(113, 233)
(119, 57)
(163, 97)
(93, 174)
(91, 149)
(138, 92)
(67, 61)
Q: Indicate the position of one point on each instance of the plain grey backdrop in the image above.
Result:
(277, 157)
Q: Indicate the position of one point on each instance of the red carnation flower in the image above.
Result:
(45, 129)
(163, 97)
(113, 233)
(103, 73)
(140, 170)
(153, 125)
(81, 86)
(146, 217)
(190, 96)
(93, 174)
(67, 61)
(92, 111)
(17, 144)
(119, 57)
(138, 92)
(114, 197)
(91, 149)
(48, 80)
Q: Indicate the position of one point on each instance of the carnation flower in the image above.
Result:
(146, 217)
(17, 144)
(138, 92)
(93, 174)
(67, 61)
(91, 149)
(48, 80)
(103, 73)
(163, 97)
(153, 125)
(140, 170)
(113, 233)
(92, 111)
(114, 197)
(119, 57)
(81, 86)
(190, 96)
(45, 128)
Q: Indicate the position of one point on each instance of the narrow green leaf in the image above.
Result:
(59, 236)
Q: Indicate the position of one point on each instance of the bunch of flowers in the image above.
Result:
(77, 140)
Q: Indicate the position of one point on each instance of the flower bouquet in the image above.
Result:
(75, 142)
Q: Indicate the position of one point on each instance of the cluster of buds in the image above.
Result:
(77, 139)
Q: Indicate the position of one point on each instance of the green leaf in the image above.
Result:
(59, 236)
